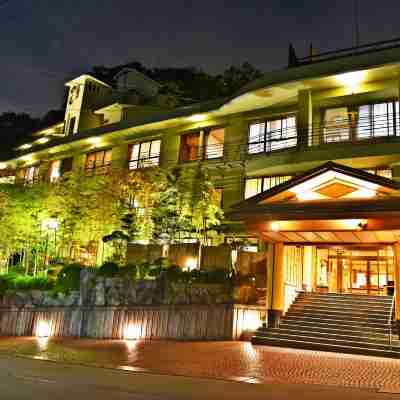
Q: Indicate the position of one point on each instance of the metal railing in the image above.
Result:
(356, 131)
(198, 153)
(390, 322)
(349, 51)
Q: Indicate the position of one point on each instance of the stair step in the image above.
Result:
(333, 326)
(327, 319)
(327, 328)
(393, 353)
(380, 339)
(313, 305)
(347, 298)
(335, 341)
(335, 322)
(375, 318)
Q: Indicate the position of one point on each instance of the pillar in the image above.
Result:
(308, 269)
(275, 285)
(304, 118)
(397, 285)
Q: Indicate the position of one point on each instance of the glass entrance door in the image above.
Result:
(354, 270)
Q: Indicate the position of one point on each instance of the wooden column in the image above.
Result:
(275, 287)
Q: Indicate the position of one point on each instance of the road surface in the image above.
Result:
(23, 378)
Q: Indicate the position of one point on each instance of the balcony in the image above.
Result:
(377, 129)
(201, 153)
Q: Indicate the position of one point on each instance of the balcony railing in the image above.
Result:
(198, 153)
(349, 51)
(362, 130)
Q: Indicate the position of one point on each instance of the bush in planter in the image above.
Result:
(109, 270)
(130, 270)
(18, 282)
(69, 278)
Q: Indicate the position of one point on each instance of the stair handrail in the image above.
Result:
(390, 322)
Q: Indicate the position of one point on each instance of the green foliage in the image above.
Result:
(17, 282)
(69, 278)
(129, 270)
(216, 276)
(109, 270)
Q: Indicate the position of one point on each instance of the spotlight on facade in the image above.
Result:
(25, 146)
(95, 140)
(3, 165)
(43, 140)
(351, 80)
(43, 329)
(197, 117)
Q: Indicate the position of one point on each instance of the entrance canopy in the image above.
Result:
(329, 204)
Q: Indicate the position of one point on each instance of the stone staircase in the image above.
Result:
(343, 323)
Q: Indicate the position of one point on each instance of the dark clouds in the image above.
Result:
(45, 42)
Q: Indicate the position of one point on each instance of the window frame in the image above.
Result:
(96, 169)
(35, 175)
(265, 145)
(263, 178)
(353, 121)
(140, 159)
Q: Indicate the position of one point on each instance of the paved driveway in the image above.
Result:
(238, 361)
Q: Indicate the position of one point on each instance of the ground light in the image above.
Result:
(43, 329)
(131, 332)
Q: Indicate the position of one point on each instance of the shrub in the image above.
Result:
(130, 270)
(69, 278)
(14, 281)
(143, 270)
(109, 270)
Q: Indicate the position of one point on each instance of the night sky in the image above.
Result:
(45, 42)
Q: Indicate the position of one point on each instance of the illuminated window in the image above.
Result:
(336, 125)
(145, 154)
(361, 122)
(377, 120)
(214, 143)
(55, 171)
(384, 172)
(255, 186)
(7, 176)
(190, 144)
(272, 135)
(31, 174)
(98, 163)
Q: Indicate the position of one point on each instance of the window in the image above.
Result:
(384, 172)
(255, 186)
(214, 143)
(361, 122)
(7, 176)
(31, 175)
(55, 171)
(378, 120)
(98, 163)
(272, 135)
(190, 144)
(145, 154)
(336, 125)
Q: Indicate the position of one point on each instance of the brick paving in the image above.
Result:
(238, 361)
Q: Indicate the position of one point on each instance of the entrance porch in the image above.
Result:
(332, 233)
